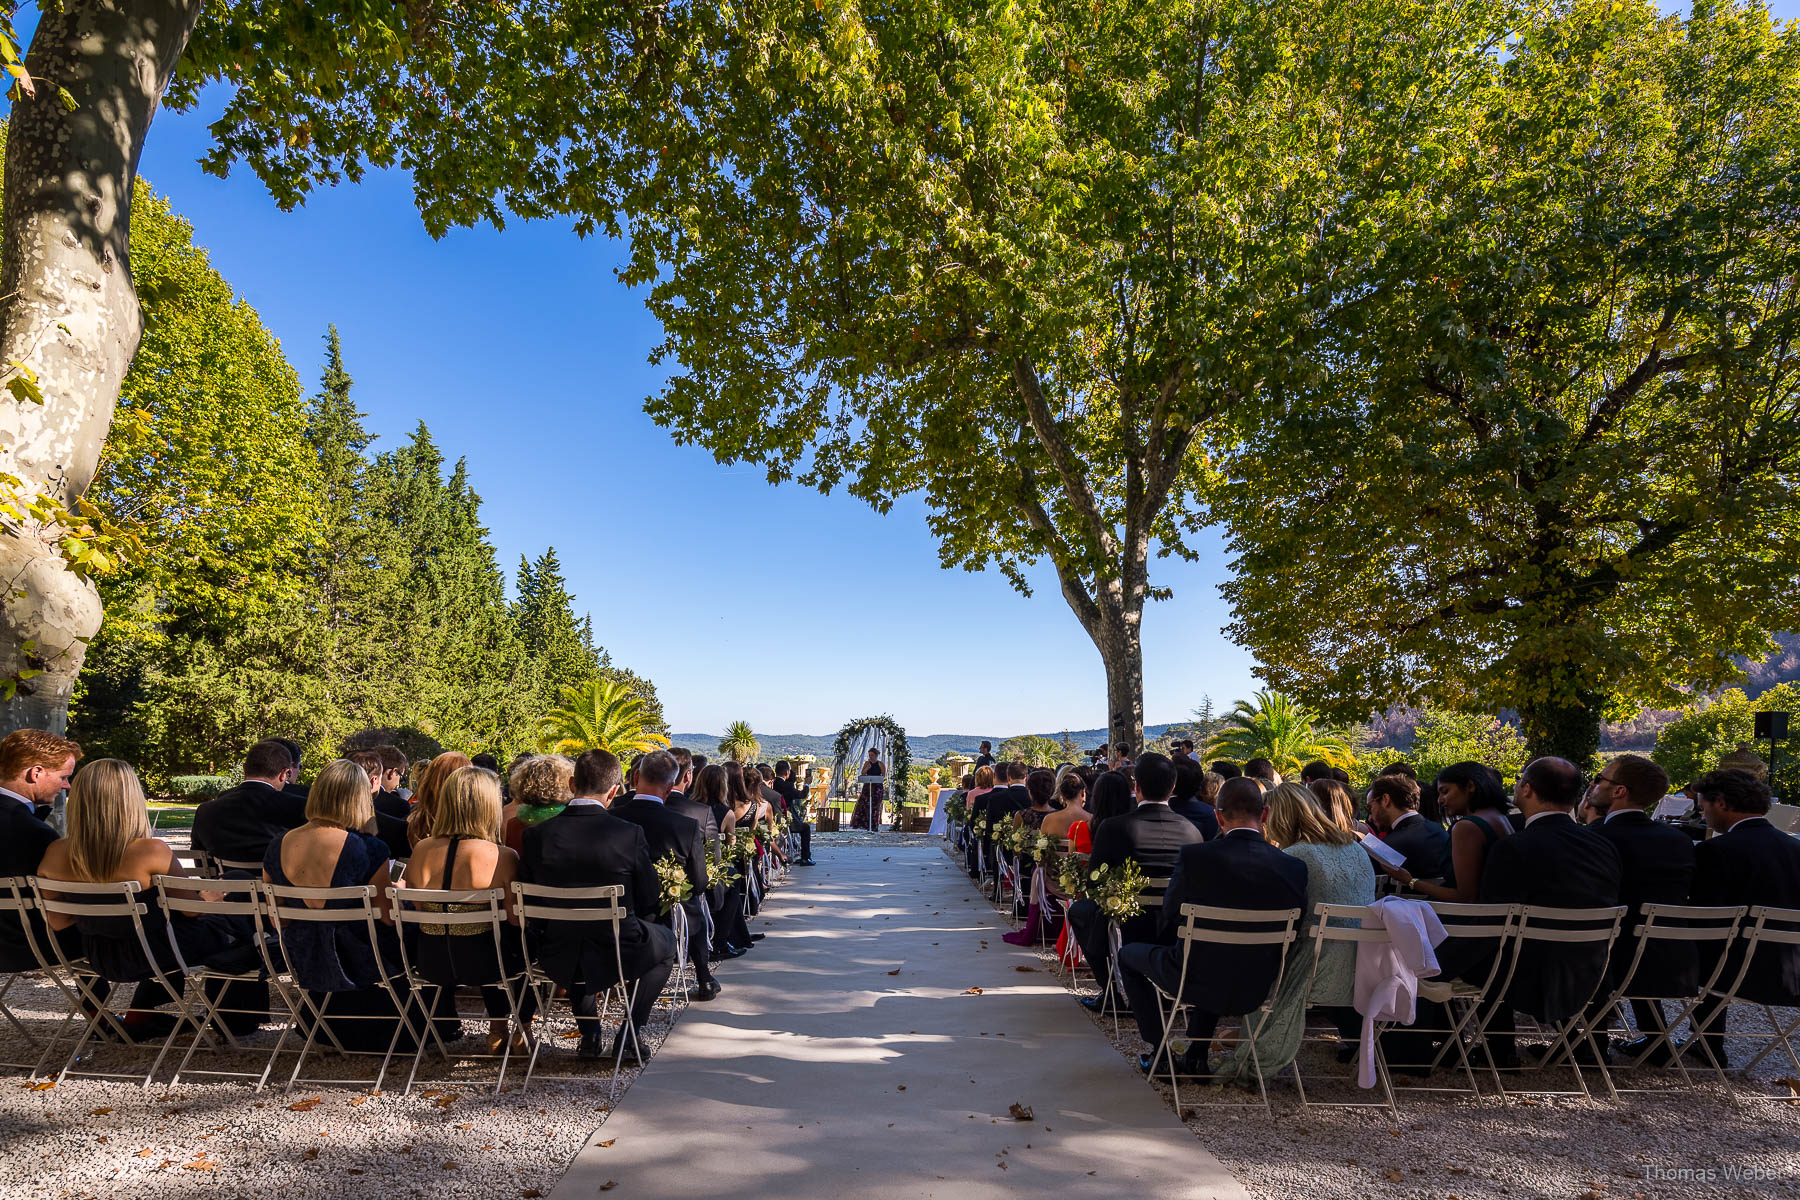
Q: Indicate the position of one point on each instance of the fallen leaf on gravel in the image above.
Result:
(971, 991)
(360, 1100)
(573, 1033)
(306, 1105)
(144, 1153)
(607, 1145)
(447, 1099)
(895, 971)
(1395, 1132)
(609, 1185)
(99, 1112)
(311, 1155)
(899, 1087)
(467, 1125)
(200, 1164)
(1394, 1174)
(1024, 968)
(449, 1164)
(44, 1086)
(1020, 1112)
(1002, 1166)
(1593, 1194)
(1792, 1085)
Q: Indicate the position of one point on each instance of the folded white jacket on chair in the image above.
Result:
(1388, 973)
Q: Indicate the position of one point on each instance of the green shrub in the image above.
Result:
(198, 787)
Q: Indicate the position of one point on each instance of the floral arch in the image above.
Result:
(853, 742)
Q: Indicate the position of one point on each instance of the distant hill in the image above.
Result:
(925, 747)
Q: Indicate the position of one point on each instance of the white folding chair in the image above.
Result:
(1669, 924)
(476, 909)
(1113, 997)
(1463, 999)
(1325, 933)
(1277, 928)
(1544, 925)
(242, 898)
(1763, 925)
(242, 866)
(287, 908)
(18, 904)
(117, 902)
(547, 905)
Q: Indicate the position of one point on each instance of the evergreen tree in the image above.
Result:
(549, 634)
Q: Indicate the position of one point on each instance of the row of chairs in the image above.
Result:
(1503, 930)
(271, 911)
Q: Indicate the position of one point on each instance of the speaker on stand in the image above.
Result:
(1774, 727)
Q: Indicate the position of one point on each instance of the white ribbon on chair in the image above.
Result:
(681, 944)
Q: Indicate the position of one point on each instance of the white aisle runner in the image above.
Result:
(848, 1057)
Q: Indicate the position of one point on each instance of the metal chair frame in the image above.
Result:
(1320, 934)
(529, 903)
(1464, 1000)
(17, 899)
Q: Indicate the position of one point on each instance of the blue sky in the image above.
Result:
(522, 353)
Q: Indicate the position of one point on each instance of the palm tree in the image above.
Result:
(604, 715)
(739, 743)
(1280, 729)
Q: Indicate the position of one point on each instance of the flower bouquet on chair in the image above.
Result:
(1117, 889)
(672, 881)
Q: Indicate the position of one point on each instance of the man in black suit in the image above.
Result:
(794, 796)
(1746, 861)
(1556, 862)
(684, 778)
(1008, 796)
(1238, 869)
(293, 786)
(587, 846)
(388, 799)
(1394, 810)
(1192, 798)
(390, 827)
(34, 768)
(985, 758)
(1657, 867)
(1152, 836)
(667, 832)
(240, 822)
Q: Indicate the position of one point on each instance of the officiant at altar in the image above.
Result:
(871, 796)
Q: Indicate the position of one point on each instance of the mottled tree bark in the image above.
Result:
(68, 310)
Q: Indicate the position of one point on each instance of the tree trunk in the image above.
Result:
(1121, 649)
(1568, 729)
(68, 310)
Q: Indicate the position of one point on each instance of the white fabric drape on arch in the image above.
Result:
(849, 767)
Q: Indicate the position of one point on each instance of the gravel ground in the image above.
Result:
(452, 1137)
(1745, 1143)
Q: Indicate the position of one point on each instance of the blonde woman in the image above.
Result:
(538, 788)
(334, 849)
(1338, 871)
(464, 852)
(424, 801)
(109, 842)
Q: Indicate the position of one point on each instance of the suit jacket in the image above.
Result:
(390, 804)
(1426, 845)
(586, 846)
(776, 800)
(1657, 862)
(240, 822)
(792, 795)
(1200, 813)
(1754, 863)
(708, 821)
(23, 840)
(1554, 861)
(1238, 869)
(296, 788)
(669, 832)
(1153, 836)
(997, 804)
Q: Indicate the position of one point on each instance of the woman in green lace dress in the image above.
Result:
(1338, 871)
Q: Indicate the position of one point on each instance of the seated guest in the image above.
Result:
(587, 846)
(109, 842)
(1746, 861)
(1552, 861)
(1589, 811)
(1428, 805)
(704, 804)
(794, 797)
(293, 787)
(985, 779)
(1657, 867)
(1191, 798)
(1071, 820)
(34, 767)
(1008, 796)
(1394, 812)
(1335, 801)
(1224, 769)
(1150, 835)
(538, 790)
(684, 779)
(1109, 798)
(1263, 771)
(393, 830)
(424, 802)
(388, 800)
(1338, 871)
(1472, 795)
(1315, 770)
(668, 834)
(464, 852)
(239, 823)
(414, 774)
(338, 964)
(1238, 869)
